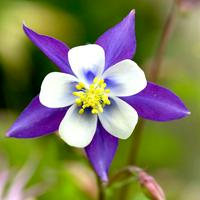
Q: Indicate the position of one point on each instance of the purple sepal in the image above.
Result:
(119, 42)
(157, 103)
(101, 151)
(54, 49)
(36, 120)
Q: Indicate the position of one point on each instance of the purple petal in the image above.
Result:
(54, 49)
(119, 42)
(157, 103)
(101, 151)
(36, 120)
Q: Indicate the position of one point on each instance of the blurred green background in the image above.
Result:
(169, 151)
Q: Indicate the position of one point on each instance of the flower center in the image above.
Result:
(94, 97)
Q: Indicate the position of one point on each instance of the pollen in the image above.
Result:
(94, 97)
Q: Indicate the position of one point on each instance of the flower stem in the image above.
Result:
(167, 29)
(135, 144)
(101, 192)
(153, 76)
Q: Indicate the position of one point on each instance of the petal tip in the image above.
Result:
(25, 28)
(132, 12)
(9, 133)
(104, 178)
(187, 113)
(23, 23)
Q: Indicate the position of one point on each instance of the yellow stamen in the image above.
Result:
(78, 102)
(80, 86)
(94, 97)
(107, 90)
(94, 111)
(81, 111)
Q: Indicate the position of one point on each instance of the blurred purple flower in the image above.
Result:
(107, 83)
(16, 189)
(150, 187)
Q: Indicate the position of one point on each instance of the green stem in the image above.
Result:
(157, 61)
(153, 76)
(124, 174)
(135, 144)
(101, 192)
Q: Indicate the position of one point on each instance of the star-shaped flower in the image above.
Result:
(97, 97)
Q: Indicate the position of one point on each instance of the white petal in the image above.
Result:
(125, 78)
(87, 61)
(56, 90)
(78, 130)
(119, 119)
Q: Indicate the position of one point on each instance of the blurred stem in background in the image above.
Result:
(156, 64)
(152, 76)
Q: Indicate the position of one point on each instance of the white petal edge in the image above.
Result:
(126, 77)
(56, 90)
(119, 119)
(87, 59)
(78, 130)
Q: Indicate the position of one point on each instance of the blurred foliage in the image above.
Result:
(170, 151)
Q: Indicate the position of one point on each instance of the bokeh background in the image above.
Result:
(169, 151)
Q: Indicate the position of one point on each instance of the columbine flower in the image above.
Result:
(97, 97)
